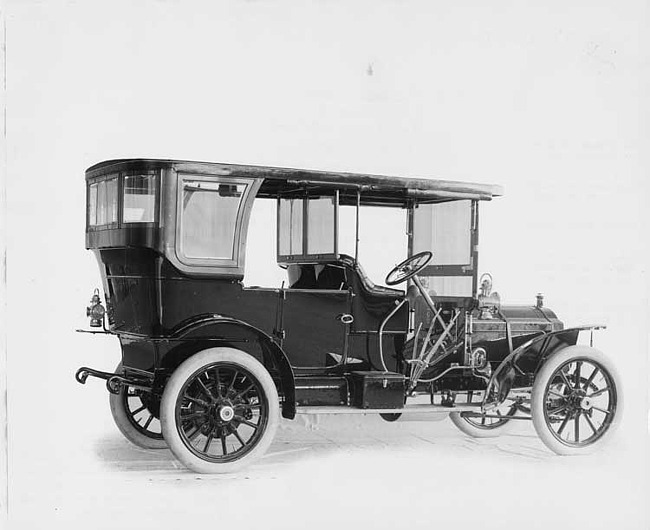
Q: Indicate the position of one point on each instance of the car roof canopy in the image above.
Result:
(278, 181)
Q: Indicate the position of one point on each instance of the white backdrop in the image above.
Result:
(549, 99)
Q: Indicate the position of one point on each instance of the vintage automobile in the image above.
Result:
(208, 363)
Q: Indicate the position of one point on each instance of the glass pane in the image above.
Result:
(445, 230)
(210, 211)
(92, 205)
(291, 227)
(101, 203)
(139, 199)
(450, 285)
(320, 226)
(111, 200)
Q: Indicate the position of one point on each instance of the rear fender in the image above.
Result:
(520, 367)
(207, 331)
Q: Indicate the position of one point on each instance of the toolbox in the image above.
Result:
(319, 391)
(377, 390)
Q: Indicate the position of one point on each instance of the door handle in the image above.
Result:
(345, 318)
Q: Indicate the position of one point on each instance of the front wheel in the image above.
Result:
(219, 411)
(576, 400)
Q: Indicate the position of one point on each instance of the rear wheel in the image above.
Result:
(479, 425)
(576, 400)
(137, 415)
(219, 411)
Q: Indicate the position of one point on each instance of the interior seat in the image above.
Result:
(367, 284)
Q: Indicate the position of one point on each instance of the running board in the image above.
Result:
(408, 408)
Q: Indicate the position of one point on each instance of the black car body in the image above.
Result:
(170, 241)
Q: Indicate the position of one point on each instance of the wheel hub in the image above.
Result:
(226, 413)
(586, 403)
(578, 400)
(221, 413)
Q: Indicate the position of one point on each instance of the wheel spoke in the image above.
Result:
(557, 409)
(207, 443)
(244, 392)
(591, 378)
(556, 393)
(232, 383)
(193, 416)
(205, 389)
(196, 400)
(140, 409)
(599, 392)
(564, 378)
(223, 443)
(577, 373)
(577, 428)
(602, 410)
(148, 422)
(216, 375)
(251, 424)
(564, 424)
(239, 438)
(194, 434)
(251, 406)
(590, 423)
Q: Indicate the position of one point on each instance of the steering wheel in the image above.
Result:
(408, 268)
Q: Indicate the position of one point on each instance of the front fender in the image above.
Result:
(209, 328)
(521, 366)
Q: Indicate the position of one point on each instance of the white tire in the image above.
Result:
(482, 427)
(219, 411)
(137, 417)
(576, 400)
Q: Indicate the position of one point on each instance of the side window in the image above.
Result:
(290, 221)
(320, 226)
(102, 202)
(211, 211)
(307, 228)
(92, 204)
(139, 199)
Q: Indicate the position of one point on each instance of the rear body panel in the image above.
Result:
(147, 297)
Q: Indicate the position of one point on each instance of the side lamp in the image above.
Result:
(96, 311)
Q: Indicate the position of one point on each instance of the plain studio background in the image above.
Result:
(548, 99)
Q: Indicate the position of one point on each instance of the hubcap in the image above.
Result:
(586, 403)
(226, 413)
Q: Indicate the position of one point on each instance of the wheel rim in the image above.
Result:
(481, 422)
(221, 412)
(579, 402)
(143, 412)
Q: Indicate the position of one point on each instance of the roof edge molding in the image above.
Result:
(408, 186)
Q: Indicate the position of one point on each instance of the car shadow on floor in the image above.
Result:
(320, 436)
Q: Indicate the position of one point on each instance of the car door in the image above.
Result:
(313, 325)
